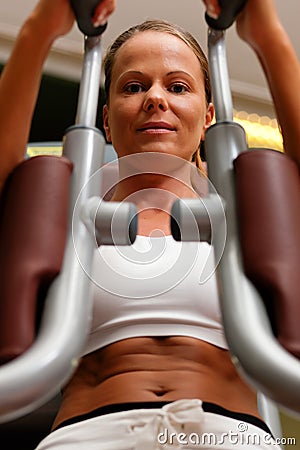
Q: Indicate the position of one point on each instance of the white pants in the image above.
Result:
(179, 425)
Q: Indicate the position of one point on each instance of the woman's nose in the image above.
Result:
(155, 99)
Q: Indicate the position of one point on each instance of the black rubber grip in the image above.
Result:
(84, 11)
(229, 11)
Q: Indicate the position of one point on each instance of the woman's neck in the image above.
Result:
(154, 197)
(141, 173)
(153, 182)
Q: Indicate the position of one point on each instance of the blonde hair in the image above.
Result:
(161, 26)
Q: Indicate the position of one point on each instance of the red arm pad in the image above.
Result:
(33, 226)
(268, 198)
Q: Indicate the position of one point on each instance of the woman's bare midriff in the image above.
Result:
(147, 369)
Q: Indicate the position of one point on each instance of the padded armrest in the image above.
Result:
(33, 226)
(268, 198)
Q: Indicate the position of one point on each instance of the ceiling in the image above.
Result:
(247, 80)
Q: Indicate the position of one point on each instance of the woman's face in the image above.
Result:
(157, 97)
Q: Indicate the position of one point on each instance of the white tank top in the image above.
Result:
(156, 287)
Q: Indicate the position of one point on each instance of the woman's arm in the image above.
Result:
(20, 80)
(21, 77)
(260, 26)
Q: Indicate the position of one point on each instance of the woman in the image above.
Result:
(156, 371)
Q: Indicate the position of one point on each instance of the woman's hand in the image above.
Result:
(212, 8)
(104, 9)
(256, 19)
(56, 17)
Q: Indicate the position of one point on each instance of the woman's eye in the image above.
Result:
(133, 88)
(178, 88)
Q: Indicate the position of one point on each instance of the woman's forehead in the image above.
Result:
(155, 46)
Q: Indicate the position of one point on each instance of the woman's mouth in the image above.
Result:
(156, 128)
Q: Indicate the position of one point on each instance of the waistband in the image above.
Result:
(206, 406)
